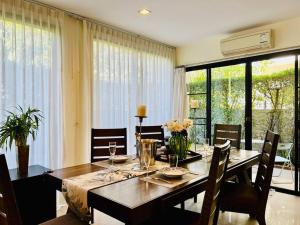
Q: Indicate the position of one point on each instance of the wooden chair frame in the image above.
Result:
(100, 139)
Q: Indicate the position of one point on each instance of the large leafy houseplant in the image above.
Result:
(16, 128)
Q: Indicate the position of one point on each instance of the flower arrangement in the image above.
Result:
(179, 143)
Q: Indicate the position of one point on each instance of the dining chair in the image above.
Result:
(100, 142)
(210, 207)
(9, 211)
(285, 161)
(152, 132)
(252, 199)
(232, 132)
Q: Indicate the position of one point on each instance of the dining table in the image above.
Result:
(134, 201)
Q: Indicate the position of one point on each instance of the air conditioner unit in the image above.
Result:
(238, 44)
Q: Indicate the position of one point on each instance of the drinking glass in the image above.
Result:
(147, 159)
(112, 151)
(173, 160)
(205, 143)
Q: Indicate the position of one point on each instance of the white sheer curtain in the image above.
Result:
(30, 74)
(129, 71)
(180, 100)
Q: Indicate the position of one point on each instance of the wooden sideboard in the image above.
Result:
(35, 196)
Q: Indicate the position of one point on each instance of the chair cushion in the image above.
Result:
(68, 219)
(176, 216)
(237, 197)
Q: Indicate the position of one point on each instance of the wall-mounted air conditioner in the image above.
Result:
(238, 44)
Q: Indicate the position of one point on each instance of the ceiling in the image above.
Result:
(179, 22)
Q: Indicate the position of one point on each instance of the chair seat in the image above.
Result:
(68, 219)
(280, 159)
(239, 198)
(176, 216)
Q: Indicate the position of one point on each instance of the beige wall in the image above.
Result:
(286, 36)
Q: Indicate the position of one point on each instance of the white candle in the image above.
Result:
(141, 110)
(195, 104)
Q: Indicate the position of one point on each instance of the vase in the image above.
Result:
(179, 145)
(22, 158)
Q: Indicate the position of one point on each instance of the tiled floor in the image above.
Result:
(282, 209)
(283, 179)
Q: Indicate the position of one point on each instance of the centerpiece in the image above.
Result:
(17, 127)
(179, 142)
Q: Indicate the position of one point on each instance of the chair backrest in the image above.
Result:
(100, 142)
(265, 168)
(9, 212)
(230, 132)
(218, 167)
(152, 132)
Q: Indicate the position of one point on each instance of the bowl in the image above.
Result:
(119, 158)
(173, 172)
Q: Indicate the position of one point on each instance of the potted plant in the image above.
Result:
(17, 127)
(179, 143)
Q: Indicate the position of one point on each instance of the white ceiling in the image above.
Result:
(179, 22)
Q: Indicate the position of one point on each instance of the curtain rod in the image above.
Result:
(80, 17)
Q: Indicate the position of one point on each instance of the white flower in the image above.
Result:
(175, 126)
(187, 123)
(178, 127)
(170, 125)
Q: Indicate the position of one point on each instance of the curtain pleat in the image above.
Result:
(180, 101)
(129, 71)
(81, 75)
(30, 74)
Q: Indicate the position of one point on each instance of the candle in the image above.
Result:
(141, 110)
(194, 104)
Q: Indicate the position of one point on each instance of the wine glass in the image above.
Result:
(147, 159)
(112, 151)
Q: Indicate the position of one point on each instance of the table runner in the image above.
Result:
(75, 189)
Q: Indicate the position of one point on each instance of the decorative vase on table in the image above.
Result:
(179, 142)
(16, 128)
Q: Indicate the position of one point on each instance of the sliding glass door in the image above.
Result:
(228, 96)
(273, 98)
(197, 98)
(296, 155)
(260, 93)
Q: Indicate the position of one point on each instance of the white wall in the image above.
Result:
(286, 36)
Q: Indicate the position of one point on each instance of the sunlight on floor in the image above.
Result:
(282, 209)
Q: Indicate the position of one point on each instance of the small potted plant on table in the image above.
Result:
(17, 127)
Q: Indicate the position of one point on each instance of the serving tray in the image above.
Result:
(191, 156)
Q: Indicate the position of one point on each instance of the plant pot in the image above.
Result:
(22, 158)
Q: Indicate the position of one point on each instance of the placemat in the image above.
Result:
(132, 166)
(169, 183)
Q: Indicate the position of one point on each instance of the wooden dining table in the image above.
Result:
(133, 201)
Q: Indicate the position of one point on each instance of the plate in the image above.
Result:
(173, 172)
(120, 158)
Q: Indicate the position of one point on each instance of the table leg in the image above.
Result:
(244, 177)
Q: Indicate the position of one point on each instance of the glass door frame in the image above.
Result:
(248, 102)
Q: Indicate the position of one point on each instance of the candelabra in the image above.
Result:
(139, 135)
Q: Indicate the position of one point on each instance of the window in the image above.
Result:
(260, 93)
(30, 72)
(196, 87)
(125, 77)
